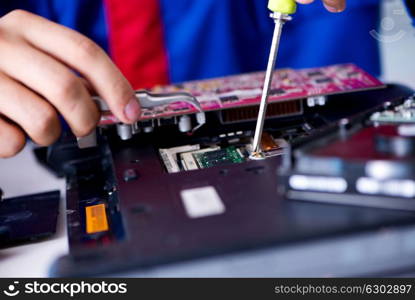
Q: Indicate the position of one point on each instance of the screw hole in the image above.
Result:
(256, 170)
(141, 209)
(224, 172)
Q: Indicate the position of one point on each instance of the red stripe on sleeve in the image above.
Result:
(136, 40)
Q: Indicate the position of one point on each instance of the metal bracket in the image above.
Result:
(146, 100)
(151, 100)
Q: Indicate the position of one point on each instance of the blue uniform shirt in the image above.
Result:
(208, 38)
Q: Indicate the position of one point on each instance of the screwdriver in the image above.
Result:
(281, 11)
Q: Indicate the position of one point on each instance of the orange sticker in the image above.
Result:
(96, 219)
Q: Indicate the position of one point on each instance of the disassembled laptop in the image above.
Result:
(180, 184)
(333, 153)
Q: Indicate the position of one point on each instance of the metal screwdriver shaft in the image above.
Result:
(280, 15)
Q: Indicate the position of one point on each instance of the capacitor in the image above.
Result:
(321, 100)
(185, 124)
(148, 129)
(125, 131)
(135, 128)
(201, 118)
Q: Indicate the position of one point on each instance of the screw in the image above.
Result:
(130, 175)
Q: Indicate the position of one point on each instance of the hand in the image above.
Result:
(38, 63)
(333, 6)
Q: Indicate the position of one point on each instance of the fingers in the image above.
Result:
(53, 81)
(32, 113)
(333, 6)
(12, 139)
(83, 55)
(304, 1)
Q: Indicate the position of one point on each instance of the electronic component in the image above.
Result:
(236, 97)
(272, 147)
(323, 80)
(194, 157)
(125, 131)
(96, 219)
(230, 148)
(364, 163)
(147, 100)
(250, 113)
(268, 143)
(189, 161)
(185, 124)
(169, 156)
(229, 155)
(314, 101)
(404, 113)
(148, 212)
(244, 90)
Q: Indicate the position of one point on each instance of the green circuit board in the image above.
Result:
(229, 155)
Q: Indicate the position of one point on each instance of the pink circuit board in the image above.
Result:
(246, 89)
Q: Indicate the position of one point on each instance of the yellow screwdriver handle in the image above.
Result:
(287, 7)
